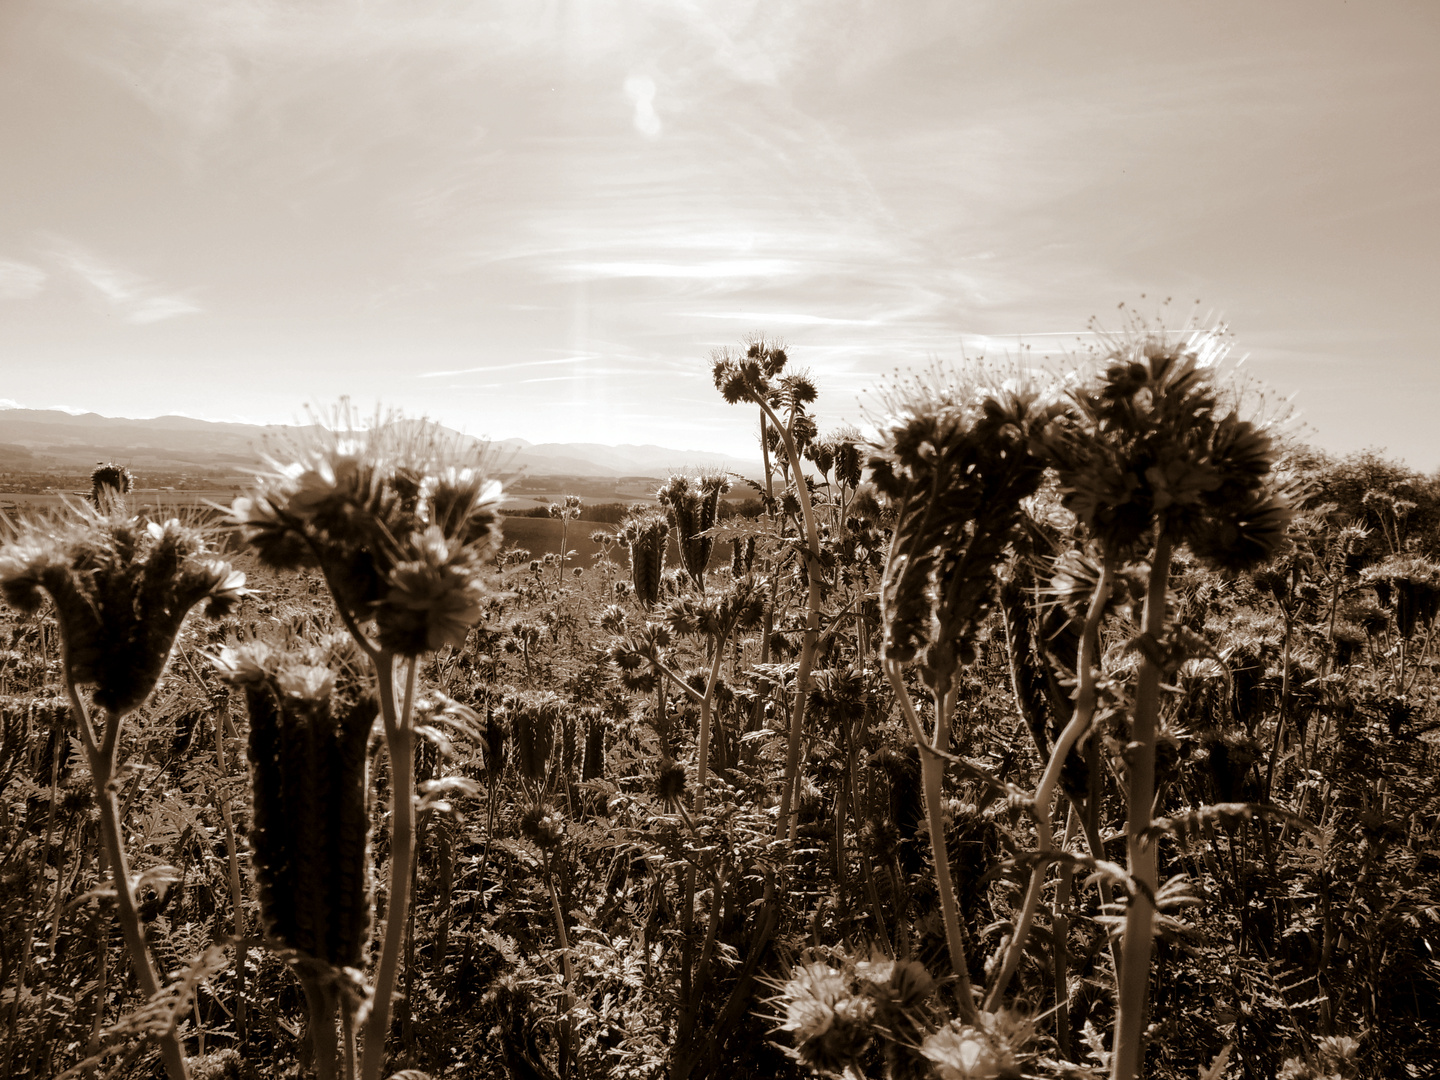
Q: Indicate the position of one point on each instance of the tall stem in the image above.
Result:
(237, 892)
(932, 771)
(101, 755)
(1140, 914)
(785, 827)
(400, 740)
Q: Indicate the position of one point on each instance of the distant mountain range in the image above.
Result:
(42, 440)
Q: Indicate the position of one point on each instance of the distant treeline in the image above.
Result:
(612, 513)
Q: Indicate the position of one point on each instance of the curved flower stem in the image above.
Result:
(400, 741)
(1079, 723)
(102, 772)
(932, 770)
(1140, 914)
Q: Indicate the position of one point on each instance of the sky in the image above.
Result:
(538, 219)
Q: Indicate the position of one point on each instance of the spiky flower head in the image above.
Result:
(109, 484)
(831, 1024)
(121, 587)
(670, 782)
(692, 505)
(534, 718)
(645, 534)
(748, 377)
(1412, 584)
(542, 827)
(397, 515)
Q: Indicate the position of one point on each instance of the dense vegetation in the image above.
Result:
(1062, 732)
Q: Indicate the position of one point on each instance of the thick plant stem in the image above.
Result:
(932, 771)
(707, 708)
(1138, 941)
(400, 739)
(1060, 930)
(321, 1000)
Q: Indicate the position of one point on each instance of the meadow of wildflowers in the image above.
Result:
(1066, 728)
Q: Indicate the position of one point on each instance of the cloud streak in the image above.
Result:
(134, 298)
(20, 281)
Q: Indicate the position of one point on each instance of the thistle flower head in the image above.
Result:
(397, 515)
(748, 377)
(831, 1024)
(121, 589)
(670, 782)
(109, 484)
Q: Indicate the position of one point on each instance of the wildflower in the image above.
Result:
(542, 827)
(956, 462)
(109, 484)
(645, 535)
(993, 1049)
(692, 505)
(432, 601)
(831, 1026)
(399, 531)
(121, 588)
(670, 782)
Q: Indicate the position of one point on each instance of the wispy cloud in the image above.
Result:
(20, 281)
(485, 369)
(133, 297)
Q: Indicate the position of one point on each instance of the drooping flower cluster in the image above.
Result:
(121, 587)
(956, 462)
(399, 530)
